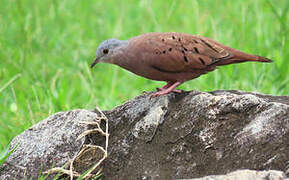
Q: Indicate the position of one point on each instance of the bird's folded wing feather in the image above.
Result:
(175, 52)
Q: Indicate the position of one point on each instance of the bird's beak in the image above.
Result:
(94, 62)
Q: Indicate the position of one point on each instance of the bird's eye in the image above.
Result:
(105, 51)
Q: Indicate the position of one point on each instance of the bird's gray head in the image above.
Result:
(106, 50)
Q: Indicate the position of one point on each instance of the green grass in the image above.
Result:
(46, 47)
(6, 153)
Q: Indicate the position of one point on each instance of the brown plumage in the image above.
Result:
(171, 57)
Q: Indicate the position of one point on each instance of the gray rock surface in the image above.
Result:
(50, 143)
(187, 135)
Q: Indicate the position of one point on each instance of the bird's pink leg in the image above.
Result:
(168, 90)
(165, 86)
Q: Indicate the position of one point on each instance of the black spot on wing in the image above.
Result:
(202, 61)
(185, 59)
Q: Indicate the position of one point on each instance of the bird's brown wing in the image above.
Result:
(176, 52)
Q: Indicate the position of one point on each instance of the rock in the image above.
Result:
(187, 135)
(248, 175)
(50, 143)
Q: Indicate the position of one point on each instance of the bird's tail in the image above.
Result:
(239, 57)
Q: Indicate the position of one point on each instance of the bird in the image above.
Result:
(171, 57)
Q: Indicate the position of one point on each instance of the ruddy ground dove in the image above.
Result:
(171, 57)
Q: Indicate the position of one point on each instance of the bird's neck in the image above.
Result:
(119, 57)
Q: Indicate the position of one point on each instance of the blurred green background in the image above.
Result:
(46, 47)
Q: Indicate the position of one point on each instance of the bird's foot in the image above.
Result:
(177, 91)
(165, 86)
(159, 93)
(162, 89)
(163, 92)
(167, 90)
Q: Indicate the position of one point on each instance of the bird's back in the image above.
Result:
(179, 55)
